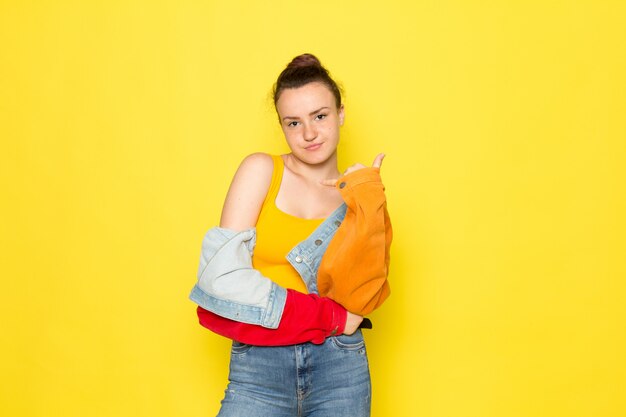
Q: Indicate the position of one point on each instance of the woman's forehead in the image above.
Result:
(305, 99)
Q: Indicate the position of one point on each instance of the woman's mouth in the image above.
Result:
(313, 147)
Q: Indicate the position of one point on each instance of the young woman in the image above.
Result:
(295, 353)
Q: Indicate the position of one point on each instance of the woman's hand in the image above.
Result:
(378, 161)
(352, 323)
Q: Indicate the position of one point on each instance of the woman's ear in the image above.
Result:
(342, 115)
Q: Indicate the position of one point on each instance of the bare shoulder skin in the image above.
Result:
(247, 192)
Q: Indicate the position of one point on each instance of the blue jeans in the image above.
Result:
(327, 380)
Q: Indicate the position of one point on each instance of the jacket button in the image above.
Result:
(337, 223)
(343, 184)
(299, 259)
(318, 242)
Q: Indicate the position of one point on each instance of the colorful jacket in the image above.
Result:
(236, 301)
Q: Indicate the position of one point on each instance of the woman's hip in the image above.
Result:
(333, 375)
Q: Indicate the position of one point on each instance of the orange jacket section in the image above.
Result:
(355, 266)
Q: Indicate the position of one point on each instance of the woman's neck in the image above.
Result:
(313, 172)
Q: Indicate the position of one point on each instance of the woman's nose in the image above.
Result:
(310, 133)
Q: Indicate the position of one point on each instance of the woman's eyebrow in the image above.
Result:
(310, 114)
(318, 110)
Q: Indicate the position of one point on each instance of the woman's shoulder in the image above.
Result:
(247, 191)
(255, 171)
(258, 162)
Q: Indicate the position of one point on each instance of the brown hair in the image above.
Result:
(302, 70)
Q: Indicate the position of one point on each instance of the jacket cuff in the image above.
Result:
(360, 176)
(338, 323)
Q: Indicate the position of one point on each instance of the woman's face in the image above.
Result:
(310, 121)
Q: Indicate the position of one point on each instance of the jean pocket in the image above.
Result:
(353, 342)
(239, 348)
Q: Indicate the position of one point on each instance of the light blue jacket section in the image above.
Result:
(229, 286)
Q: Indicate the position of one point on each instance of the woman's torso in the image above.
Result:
(277, 234)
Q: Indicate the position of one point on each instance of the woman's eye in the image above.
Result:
(292, 124)
(320, 116)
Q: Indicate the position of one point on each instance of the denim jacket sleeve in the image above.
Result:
(229, 286)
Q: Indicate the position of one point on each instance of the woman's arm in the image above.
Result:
(364, 237)
(247, 192)
(306, 318)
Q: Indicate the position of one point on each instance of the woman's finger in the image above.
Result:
(378, 161)
(330, 183)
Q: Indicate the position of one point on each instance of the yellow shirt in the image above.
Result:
(278, 233)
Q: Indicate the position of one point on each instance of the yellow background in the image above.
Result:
(122, 122)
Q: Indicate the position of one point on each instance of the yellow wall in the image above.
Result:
(121, 124)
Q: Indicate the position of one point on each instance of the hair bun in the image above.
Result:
(304, 69)
(304, 60)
